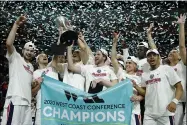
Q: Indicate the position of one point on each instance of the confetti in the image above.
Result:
(98, 20)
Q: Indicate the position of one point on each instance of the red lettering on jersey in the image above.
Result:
(99, 74)
(28, 69)
(139, 72)
(153, 81)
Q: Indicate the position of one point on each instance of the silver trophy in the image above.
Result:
(68, 36)
(63, 22)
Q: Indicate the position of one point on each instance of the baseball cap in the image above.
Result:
(121, 62)
(30, 45)
(104, 52)
(153, 51)
(144, 44)
(132, 58)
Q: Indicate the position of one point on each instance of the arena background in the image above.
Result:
(98, 20)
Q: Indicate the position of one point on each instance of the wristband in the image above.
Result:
(175, 101)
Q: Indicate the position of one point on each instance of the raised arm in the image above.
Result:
(81, 42)
(182, 48)
(85, 49)
(149, 37)
(71, 66)
(114, 53)
(12, 34)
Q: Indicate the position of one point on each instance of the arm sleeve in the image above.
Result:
(85, 69)
(112, 75)
(14, 55)
(120, 74)
(35, 76)
(142, 82)
(137, 79)
(172, 76)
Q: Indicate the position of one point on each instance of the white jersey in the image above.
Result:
(143, 66)
(121, 75)
(92, 72)
(180, 69)
(48, 72)
(160, 90)
(73, 79)
(20, 79)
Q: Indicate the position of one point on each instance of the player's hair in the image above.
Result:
(104, 56)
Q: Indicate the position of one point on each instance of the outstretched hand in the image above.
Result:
(115, 36)
(81, 36)
(21, 20)
(133, 83)
(171, 107)
(37, 82)
(149, 30)
(181, 19)
(95, 82)
(135, 98)
(71, 46)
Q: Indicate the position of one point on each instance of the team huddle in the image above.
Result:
(159, 86)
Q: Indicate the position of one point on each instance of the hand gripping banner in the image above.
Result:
(65, 105)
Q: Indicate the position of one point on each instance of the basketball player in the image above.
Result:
(98, 76)
(177, 59)
(130, 73)
(80, 57)
(17, 108)
(42, 62)
(162, 89)
(143, 66)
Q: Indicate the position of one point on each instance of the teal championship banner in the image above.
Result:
(65, 105)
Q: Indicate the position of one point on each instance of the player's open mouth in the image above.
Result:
(28, 56)
(127, 67)
(152, 61)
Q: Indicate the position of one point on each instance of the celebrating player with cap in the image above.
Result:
(177, 60)
(17, 110)
(162, 89)
(130, 73)
(42, 62)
